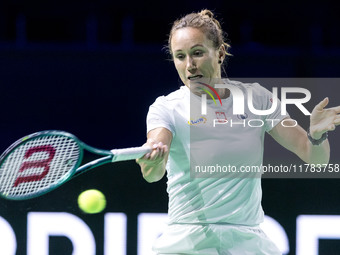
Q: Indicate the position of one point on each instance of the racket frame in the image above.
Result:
(108, 156)
(75, 171)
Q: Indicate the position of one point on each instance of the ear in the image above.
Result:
(221, 53)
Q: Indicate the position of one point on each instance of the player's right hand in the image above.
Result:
(159, 150)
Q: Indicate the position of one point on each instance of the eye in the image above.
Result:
(180, 56)
(198, 53)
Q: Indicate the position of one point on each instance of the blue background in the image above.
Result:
(92, 68)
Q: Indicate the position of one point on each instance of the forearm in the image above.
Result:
(153, 164)
(316, 154)
(296, 140)
(153, 172)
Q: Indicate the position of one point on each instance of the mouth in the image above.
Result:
(195, 77)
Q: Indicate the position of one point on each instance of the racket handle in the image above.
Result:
(129, 153)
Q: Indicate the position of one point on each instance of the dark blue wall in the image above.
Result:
(93, 68)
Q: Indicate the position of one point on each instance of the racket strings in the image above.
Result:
(38, 164)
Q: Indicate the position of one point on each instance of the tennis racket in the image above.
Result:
(41, 162)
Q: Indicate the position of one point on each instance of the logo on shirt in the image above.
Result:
(221, 117)
(200, 120)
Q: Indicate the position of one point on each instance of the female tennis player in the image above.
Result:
(217, 215)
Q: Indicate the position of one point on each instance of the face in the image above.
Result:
(194, 56)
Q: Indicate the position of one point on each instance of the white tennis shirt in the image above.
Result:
(205, 143)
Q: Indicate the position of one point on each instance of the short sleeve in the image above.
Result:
(159, 116)
(265, 100)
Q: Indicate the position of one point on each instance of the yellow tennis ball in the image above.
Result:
(92, 201)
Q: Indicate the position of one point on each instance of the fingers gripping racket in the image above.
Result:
(41, 162)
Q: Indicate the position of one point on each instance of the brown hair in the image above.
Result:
(205, 21)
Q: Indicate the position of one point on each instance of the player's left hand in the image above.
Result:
(323, 119)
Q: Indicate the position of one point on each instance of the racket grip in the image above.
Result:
(129, 153)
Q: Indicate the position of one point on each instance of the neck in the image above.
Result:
(205, 86)
(223, 93)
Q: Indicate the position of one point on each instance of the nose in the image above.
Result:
(191, 65)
